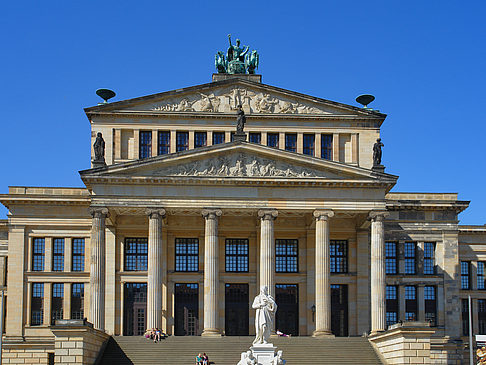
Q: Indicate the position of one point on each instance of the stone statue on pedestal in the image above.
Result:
(247, 358)
(99, 149)
(240, 120)
(265, 314)
(377, 152)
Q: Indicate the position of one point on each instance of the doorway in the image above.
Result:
(134, 308)
(287, 318)
(339, 310)
(186, 309)
(236, 312)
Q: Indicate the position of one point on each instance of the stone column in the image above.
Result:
(378, 283)
(267, 250)
(211, 273)
(323, 274)
(154, 269)
(97, 268)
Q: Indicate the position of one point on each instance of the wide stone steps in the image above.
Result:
(227, 350)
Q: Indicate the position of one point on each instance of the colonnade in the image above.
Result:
(156, 276)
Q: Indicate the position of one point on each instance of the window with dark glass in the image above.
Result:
(186, 254)
(430, 298)
(182, 141)
(482, 316)
(465, 275)
(339, 256)
(37, 304)
(410, 303)
(232, 136)
(391, 262)
(77, 301)
(200, 139)
(481, 283)
(58, 254)
(56, 302)
(38, 250)
(465, 317)
(429, 258)
(410, 254)
(272, 140)
(326, 146)
(391, 305)
(136, 254)
(78, 254)
(255, 137)
(291, 142)
(286, 255)
(164, 143)
(145, 146)
(309, 144)
(236, 255)
(218, 137)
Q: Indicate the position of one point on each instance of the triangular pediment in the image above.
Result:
(223, 97)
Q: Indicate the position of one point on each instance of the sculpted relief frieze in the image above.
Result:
(227, 100)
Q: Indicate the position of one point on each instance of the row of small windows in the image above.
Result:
(236, 255)
(481, 308)
(466, 276)
(57, 302)
(58, 246)
(201, 140)
(411, 304)
(410, 258)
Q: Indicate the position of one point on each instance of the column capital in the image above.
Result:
(155, 212)
(211, 213)
(323, 214)
(268, 214)
(98, 212)
(378, 215)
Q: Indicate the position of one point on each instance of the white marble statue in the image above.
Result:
(247, 358)
(278, 360)
(265, 313)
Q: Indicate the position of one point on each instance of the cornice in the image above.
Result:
(457, 206)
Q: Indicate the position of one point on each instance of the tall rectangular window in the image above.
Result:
(145, 144)
(326, 146)
(429, 258)
(136, 254)
(255, 137)
(236, 255)
(410, 254)
(272, 140)
(182, 141)
(291, 142)
(482, 316)
(77, 301)
(410, 303)
(58, 254)
(37, 304)
(480, 276)
(286, 255)
(430, 298)
(465, 275)
(391, 305)
(391, 262)
(465, 317)
(38, 251)
(339, 256)
(164, 143)
(186, 254)
(56, 302)
(309, 144)
(78, 254)
(218, 137)
(200, 139)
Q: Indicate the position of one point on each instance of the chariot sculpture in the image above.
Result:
(238, 59)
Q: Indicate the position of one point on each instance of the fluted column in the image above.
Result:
(378, 283)
(323, 274)
(154, 269)
(211, 273)
(267, 249)
(97, 268)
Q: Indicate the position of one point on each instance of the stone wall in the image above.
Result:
(24, 356)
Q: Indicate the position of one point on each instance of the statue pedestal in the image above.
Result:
(239, 136)
(378, 168)
(98, 163)
(264, 353)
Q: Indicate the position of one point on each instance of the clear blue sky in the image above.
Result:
(423, 60)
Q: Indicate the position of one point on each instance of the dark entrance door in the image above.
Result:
(287, 317)
(134, 308)
(339, 310)
(236, 309)
(186, 309)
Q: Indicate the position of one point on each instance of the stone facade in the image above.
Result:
(174, 179)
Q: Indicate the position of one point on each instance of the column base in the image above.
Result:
(377, 332)
(211, 332)
(323, 334)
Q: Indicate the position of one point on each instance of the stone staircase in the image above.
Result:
(226, 350)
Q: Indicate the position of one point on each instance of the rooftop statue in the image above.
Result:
(377, 152)
(238, 59)
(99, 148)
